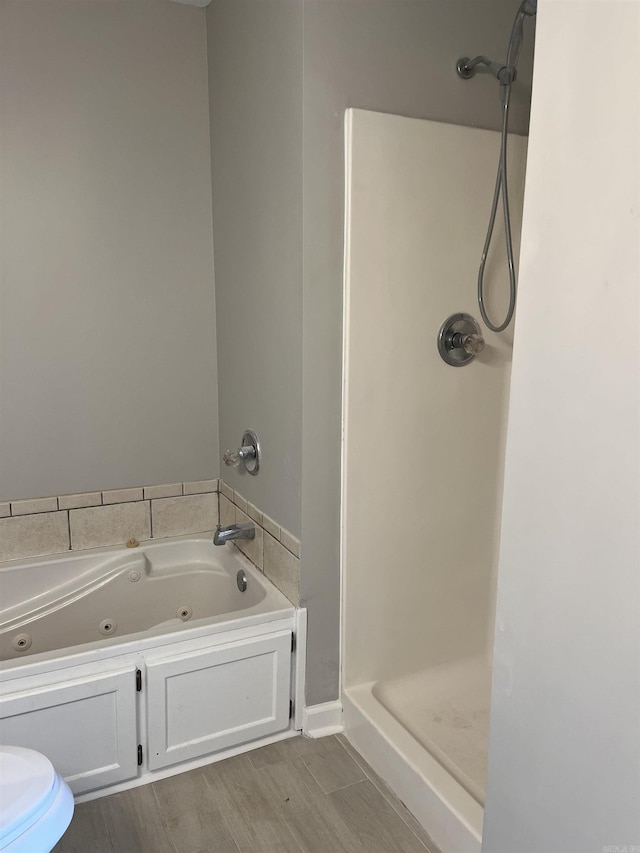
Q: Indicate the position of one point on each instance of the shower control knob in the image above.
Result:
(471, 344)
(248, 454)
(460, 340)
(233, 458)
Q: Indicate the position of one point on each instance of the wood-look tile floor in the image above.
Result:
(295, 796)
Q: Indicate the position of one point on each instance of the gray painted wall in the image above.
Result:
(107, 322)
(394, 56)
(255, 81)
(281, 73)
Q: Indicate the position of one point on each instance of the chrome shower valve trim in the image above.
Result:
(459, 340)
(247, 455)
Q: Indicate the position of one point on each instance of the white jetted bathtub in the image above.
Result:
(121, 664)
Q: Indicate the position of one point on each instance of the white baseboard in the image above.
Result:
(322, 720)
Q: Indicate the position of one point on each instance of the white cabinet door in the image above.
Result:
(85, 726)
(213, 699)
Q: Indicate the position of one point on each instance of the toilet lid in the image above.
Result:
(27, 783)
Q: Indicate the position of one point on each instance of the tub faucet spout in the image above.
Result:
(244, 530)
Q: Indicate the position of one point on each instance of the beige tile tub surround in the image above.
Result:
(271, 527)
(81, 500)
(187, 514)
(290, 542)
(35, 505)
(200, 487)
(229, 498)
(167, 490)
(33, 535)
(114, 524)
(274, 550)
(282, 568)
(53, 525)
(254, 513)
(225, 490)
(227, 511)
(240, 502)
(121, 496)
(112, 517)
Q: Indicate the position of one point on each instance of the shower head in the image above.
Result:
(527, 9)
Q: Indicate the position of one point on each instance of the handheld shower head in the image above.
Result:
(527, 9)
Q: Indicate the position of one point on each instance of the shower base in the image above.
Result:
(446, 709)
(427, 735)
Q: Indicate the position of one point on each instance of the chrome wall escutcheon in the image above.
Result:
(460, 340)
(248, 454)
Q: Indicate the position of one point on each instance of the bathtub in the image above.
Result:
(127, 664)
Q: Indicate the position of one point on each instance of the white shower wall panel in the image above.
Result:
(424, 442)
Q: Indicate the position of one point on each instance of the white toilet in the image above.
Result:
(36, 805)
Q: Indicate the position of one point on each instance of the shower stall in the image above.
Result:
(423, 454)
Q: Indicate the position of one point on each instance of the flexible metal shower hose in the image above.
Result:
(501, 185)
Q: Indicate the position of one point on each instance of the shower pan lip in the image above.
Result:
(430, 792)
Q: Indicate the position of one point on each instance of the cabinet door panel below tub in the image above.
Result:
(213, 699)
(85, 726)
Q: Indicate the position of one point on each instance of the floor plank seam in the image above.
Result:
(384, 790)
(340, 787)
(344, 787)
(164, 821)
